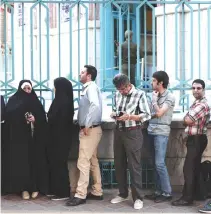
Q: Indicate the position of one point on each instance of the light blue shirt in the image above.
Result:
(90, 105)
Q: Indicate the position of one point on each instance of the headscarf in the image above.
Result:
(23, 102)
(63, 96)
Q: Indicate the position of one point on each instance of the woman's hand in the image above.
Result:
(31, 118)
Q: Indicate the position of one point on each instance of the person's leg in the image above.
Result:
(120, 164)
(160, 145)
(88, 145)
(156, 176)
(133, 144)
(195, 148)
(95, 171)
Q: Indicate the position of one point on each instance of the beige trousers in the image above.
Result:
(87, 161)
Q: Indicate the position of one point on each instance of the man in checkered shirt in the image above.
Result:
(128, 139)
(196, 121)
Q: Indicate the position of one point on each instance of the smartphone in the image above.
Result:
(118, 115)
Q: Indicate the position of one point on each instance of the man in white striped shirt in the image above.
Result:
(132, 105)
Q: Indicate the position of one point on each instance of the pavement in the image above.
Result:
(42, 204)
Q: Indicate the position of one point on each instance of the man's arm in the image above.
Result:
(94, 108)
(195, 114)
(160, 111)
(188, 121)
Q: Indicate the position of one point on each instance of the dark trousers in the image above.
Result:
(127, 153)
(132, 72)
(196, 145)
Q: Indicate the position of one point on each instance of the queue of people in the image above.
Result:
(35, 147)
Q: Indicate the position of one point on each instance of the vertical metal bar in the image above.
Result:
(32, 43)
(12, 43)
(59, 37)
(71, 39)
(191, 43)
(87, 38)
(79, 59)
(164, 38)
(95, 48)
(208, 43)
(23, 52)
(199, 40)
(138, 37)
(121, 40)
(145, 41)
(153, 40)
(182, 55)
(40, 42)
(47, 44)
(176, 44)
(128, 29)
(5, 47)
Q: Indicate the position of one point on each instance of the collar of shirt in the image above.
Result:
(199, 100)
(85, 86)
(164, 93)
(131, 90)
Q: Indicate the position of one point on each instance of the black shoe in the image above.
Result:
(151, 197)
(90, 196)
(182, 202)
(163, 198)
(75, 202)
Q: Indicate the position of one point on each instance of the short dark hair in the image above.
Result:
(161, 76)
(92, 71)
(120, 80)
(200, 82)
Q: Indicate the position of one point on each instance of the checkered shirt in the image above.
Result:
(199, 113)
(134, 103)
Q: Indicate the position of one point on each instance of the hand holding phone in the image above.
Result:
(118, 115)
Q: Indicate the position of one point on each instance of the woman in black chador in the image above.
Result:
(60, 121)
(26, 168)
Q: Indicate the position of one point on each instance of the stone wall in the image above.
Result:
(176, 150)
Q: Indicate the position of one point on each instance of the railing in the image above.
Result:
(42, 40)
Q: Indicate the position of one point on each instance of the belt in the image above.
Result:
(93, 126)
(125, 129)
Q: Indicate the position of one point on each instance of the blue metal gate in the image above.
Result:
(41, 40)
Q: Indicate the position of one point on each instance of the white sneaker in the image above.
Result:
(138, 204)
(118, 199)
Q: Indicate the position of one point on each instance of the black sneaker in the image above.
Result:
(162, 198)
(151, 197)
(90, 196)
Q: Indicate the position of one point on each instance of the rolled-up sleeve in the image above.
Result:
(144, 108)
(198, 112)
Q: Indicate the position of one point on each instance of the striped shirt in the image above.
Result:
(199, 113)
(134, 103)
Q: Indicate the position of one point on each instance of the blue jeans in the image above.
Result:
(158, 146)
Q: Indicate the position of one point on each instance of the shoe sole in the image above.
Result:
(138, 208)
(203, 211)
(119, 201)
(59, 199)
(169, 199)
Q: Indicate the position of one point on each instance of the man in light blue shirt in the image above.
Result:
(89, 120)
